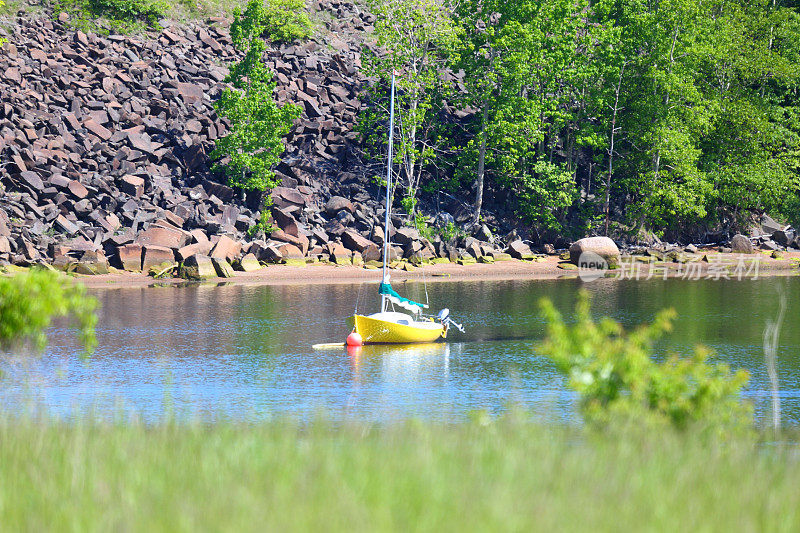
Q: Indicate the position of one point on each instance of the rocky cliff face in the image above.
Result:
(105, 143)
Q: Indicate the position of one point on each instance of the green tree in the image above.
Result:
(707, 111)
(415, 39)
(29, 301)
(253, 147)
(522, 62)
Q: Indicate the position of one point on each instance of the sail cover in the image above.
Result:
(387, 290)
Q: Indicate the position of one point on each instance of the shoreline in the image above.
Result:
(513, 270)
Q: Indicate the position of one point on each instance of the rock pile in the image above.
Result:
(105, 144)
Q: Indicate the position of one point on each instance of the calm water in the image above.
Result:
(246, 352)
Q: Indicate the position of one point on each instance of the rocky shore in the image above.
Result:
(105, 144)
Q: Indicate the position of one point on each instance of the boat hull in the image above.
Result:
(376, 331)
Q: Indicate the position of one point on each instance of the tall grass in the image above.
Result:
(507, 475)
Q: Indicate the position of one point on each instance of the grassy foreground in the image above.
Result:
(506, 475)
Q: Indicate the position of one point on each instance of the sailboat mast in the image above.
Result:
(388, 196)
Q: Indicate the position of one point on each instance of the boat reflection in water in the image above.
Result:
(402, 364)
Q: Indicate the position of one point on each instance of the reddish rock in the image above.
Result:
(190, 92)
(285, 221)
(405, 236)
(373, 253)
(97, 129)
(266, 252)
(130, 256)
(66, 225)
(189, 250)
(284, 196)
(174, 219)
(339, 254)
(248, 263)
(301, 241)
(355, 241)
(223, 268)
(79, 244)
(199, 236)
(5, 245)
(226, 248)
(92, 263)
(133, 185)
(155, 256)
(161, 236)
(290, 251)
(197, 267)
(77, 189)
(32, 179)
(142, 142)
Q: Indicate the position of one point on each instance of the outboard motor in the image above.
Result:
(444, 318)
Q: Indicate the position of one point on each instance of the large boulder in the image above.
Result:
(404, 236)
(130, 257)
(92, 263)
(338, 203)
(226, 248)
(202, 248)
(519, 250)
(741, 245)
(768, 225)
(248, 263)
(156, 256)
(285, 221)
(602, 246)
(339, 254)
(783, 237)
(223, 268)
(164, 237)
(355, 241)
(197, 267)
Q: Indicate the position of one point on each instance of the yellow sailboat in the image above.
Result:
(389, 326)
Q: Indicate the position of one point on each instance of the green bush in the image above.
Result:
(29, 301)
(286, 20)
(264, 224)
(617, 378)
(119, 15)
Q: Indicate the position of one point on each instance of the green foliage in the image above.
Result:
(253, 147)
(449, 232)
(264, 224)
(700, 99)
(119, 15)
(616, 376)
(416, 39)
(285, 20)
(29, 301)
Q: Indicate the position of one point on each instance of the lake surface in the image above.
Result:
(245, 352)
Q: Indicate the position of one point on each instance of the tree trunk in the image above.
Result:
(611, 148)
(481, 166)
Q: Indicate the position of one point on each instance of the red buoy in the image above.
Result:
(354, 339)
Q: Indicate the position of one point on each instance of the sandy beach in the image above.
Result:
(546, 269)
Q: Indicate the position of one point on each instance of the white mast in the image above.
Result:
(388, 197)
